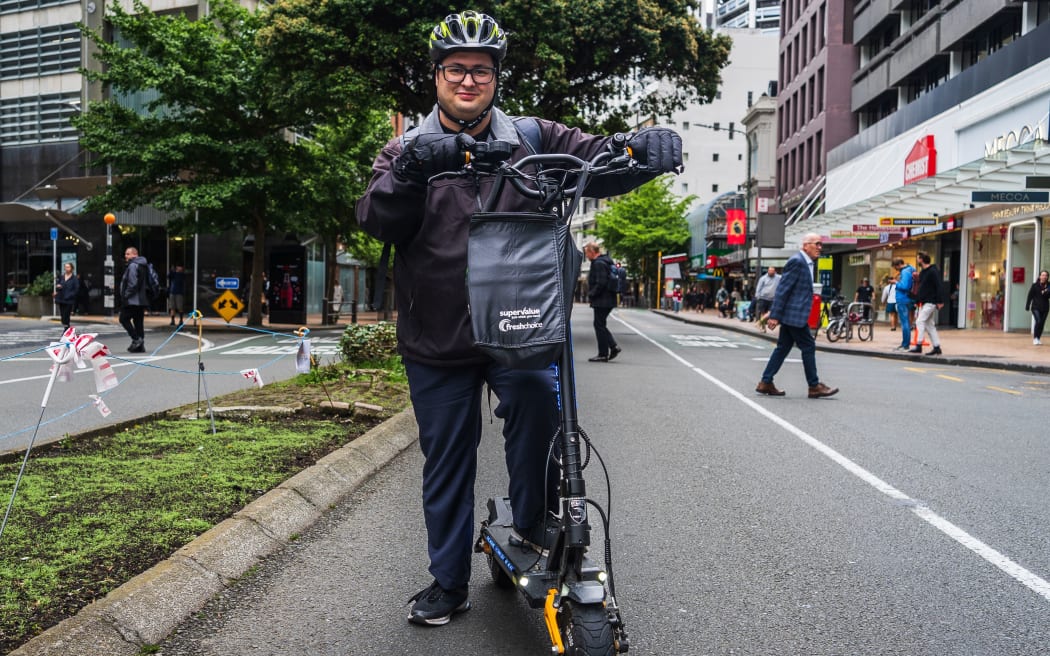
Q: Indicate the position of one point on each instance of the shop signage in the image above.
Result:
(921, 162)
(867, 227)
(678, 257)
(1014, 138)
(859, 259)
(945, 226)
(1009, 196)
(908, 220)
(854, 234)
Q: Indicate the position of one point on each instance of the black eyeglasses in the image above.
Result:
(456, 74)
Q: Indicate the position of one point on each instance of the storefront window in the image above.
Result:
(986, 275)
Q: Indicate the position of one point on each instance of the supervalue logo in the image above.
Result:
(523, 319)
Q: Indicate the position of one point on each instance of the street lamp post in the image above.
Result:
(107, 268)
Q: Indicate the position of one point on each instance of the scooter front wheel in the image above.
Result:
(586, 630)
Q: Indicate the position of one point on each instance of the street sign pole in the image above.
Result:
(54, 267)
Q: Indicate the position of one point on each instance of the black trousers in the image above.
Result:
(132, 318)
(601, 330)
(448, 403)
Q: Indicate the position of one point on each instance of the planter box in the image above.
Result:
(34, 306)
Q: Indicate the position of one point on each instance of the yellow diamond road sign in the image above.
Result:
(228, 305)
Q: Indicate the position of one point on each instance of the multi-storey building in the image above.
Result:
(748, 14)
(817, 60)
(950, 101)
(45, 175)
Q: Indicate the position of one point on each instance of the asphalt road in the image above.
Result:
(907, 515)
(168, 375)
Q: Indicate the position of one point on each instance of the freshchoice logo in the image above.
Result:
(507, 325)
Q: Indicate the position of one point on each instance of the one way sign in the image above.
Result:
(228, 305)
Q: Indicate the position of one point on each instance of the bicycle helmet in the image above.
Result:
(469, 30)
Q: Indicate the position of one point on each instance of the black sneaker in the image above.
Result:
(435, 606)
(613, 352)
(539, 538)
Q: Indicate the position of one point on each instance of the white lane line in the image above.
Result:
(1023, 576)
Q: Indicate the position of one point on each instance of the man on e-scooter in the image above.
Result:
(427, 222)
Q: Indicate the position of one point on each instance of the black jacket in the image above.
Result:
(602, 283)
(930, 288)
(1038, 298)
(428, 226)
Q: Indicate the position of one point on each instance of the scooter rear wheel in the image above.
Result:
(585, 630)
(499, 577)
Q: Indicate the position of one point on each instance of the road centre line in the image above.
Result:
(1003, 389)
(951, 378)
(1023, 576)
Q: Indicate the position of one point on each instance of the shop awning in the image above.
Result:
(27, 212)
(940, 195)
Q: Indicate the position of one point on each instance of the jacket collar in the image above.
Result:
(501, 126)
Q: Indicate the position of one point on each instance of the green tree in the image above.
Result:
(637, 226)
(217, 146)
(341, 166)
(569, 60)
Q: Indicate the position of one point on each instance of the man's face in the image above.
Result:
(772, 272)
(128, 255)
(589, 254)
(466, 99)
(812, 247)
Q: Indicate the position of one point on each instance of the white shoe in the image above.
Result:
(1036, 341)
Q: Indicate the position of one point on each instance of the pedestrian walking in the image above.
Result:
(602, 296)
(765, 292)
(427, 217)
(903, 299)
(134, 299)
(1039, 303)
(790, 311)
(67, 289)
(930, 300)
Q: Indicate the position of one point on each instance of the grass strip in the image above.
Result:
(92, 513)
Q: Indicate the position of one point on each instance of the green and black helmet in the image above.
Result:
(468, 31)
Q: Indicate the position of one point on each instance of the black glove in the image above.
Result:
(427, 155)
(657, 149)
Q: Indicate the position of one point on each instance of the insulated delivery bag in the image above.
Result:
(521, 272)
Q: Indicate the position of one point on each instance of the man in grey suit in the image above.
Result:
(791, 306)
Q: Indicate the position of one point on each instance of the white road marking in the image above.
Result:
(1023, 576)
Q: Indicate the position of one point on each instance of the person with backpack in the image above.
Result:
(135, 297)
(427, 218)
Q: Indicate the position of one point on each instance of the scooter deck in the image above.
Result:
(520, 561)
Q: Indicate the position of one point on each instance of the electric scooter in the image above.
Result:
(576, 593)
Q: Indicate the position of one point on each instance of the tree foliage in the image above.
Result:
(582, 62)
(641, 223)
(216, 143)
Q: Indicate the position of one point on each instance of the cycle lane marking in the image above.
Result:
(1025, 577)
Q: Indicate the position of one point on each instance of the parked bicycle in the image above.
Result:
(845, 319)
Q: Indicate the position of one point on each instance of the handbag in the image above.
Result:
(521, 271)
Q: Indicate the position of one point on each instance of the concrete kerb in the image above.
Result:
(149, 607)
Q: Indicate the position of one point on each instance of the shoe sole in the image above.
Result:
(823, 396)
(439, 621)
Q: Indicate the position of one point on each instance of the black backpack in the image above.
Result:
(150, 282)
